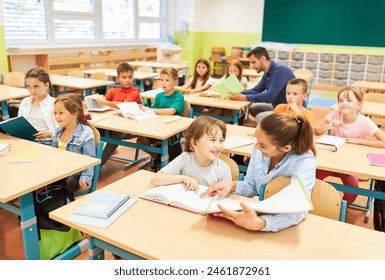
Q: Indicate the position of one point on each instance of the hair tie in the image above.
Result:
(87, 117)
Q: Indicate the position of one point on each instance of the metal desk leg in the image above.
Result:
(29, 227)
(236, 114)
(4, 110)
(164, 152)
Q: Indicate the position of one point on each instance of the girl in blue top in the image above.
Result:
(285, 147)
(74, 135)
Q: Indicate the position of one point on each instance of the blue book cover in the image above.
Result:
(102, 205)
(18, 127)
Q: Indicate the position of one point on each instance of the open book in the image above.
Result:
(230, 85)
(102, 205)
(93, 106)
(181, 90)
(236, 141)
(332, 143)
(4, 148)
(293, 198)
(131, 110)
(209, 93)
(19, 127)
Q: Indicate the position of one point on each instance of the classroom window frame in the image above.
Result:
(96, 17)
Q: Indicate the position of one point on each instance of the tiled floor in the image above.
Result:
(11, 247)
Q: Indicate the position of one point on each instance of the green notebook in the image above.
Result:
(19, 127)
(231, 84)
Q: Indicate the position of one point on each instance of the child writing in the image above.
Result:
(296, 94)
(347, 122)
(168, 102)
(285, 147)
(38, 108)
(75, 135)
(199, 163)
(125, 93)
(201, 80)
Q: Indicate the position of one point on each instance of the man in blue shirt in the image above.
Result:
(271, 90)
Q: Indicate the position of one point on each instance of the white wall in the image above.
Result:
(220, 15)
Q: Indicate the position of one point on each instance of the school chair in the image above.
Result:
(1, 77)
(83, 244)
(308, 76)
(217, 68)
(235, 175)
(145, 84)
(14, 79)
(100, 76)
(325, 198)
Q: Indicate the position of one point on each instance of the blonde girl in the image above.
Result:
(349, 123)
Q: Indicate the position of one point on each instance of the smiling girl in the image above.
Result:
(349, 123)
(199, 164)
(284, 147)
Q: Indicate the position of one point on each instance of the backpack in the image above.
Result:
(174, 150)
(379, 208)
(54, 237)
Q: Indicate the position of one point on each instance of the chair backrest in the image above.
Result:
(326, 200)
(231, 58)
(99, 76)
(187, 110)
(232, 164)
(14, 79)
(76, 73)
(145, 69)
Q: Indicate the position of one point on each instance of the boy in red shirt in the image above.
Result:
(125, 93)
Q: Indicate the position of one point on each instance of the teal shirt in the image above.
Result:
(175, 101)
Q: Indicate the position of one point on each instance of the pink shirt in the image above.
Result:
(361, 127)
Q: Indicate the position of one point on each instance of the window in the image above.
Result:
(81, 21)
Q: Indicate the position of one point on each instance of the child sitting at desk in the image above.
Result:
(75, 135)
(38, 108)
(285, 147)
(125, 93)
(199, 163)
(168, 102)
(347, 122)
(296, 94)
(201, 80)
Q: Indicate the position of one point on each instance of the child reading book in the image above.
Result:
(169, 102)
(349, 123)
(199, 163)
(285, 147)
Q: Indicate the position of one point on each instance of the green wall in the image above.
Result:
(3, 52)
(199, 44)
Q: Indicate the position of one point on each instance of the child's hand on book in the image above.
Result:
(43, 134)
(191, 184)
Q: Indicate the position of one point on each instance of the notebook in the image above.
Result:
(376, 159)
(236, 141)
(93, 106)
(19, 127)
(102, 205)
(29, 154)
(131, 110)
(330, 142)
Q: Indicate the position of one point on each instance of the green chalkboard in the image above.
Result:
(325, 22)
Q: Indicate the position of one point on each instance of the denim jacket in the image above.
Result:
(81, 142)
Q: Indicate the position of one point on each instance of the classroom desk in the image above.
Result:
(140, 76)
(150, 230)
(8, 93)
(370, 86)
(78, 83)
(161, 65)
(349, 159)
(147, 128)
(370, 109)
(195, 99)
(19, 180)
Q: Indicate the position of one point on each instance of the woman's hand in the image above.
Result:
(247, 218)
(220, 189)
